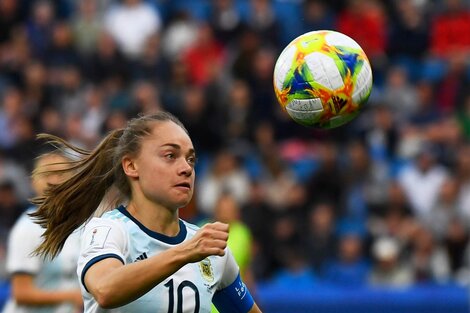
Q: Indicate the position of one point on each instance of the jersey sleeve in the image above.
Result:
(232, 296)
(231, 270)
(101, 239)
(24, 238)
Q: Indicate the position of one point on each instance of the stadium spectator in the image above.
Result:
(39, 27)
(61, 52)
(202, 118)
(12, 108)
(259, 216)
(279, 181)
(226, 175)
(179, 34)
(429, 260)
(107, 63)
(365, 182)
(321, 239)
(317, 15)
(226, 21)
(445, 209)
(69, 91)
(388, 268)
(10, 18)
(37, 93)
(263, 19)
(399, 93)
(452, 87)
(422, 180)
(152, 66)
(349, 268)
(455, 243)
(295, 273)
(86, 26)
(462, 172)
(409, 34)
(94, 114)
(237, 115)
(205, 56)
(447, 25)
(327, 181)
(365, 21)
(131, 23)
(463, 116)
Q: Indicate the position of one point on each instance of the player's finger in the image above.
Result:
(221, 235)
(215, 251)
(215, 235)
(218, 226)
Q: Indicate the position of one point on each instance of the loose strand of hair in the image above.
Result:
(60, 143)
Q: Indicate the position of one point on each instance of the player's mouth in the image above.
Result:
(183, 185)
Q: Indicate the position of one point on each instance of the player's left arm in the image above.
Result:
(233, 297)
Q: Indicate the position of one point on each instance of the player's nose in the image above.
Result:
(185, 168)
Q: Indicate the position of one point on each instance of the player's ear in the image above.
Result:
(130, 167)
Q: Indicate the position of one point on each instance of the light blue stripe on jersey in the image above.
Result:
(116, 215)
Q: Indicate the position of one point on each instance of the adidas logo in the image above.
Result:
(141, 257)
(337, 104)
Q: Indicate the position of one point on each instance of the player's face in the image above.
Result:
(51, 162)
(165, 166)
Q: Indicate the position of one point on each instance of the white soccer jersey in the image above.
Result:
(58, 274)
(190, 290)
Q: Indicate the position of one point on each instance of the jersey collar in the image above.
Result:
(179, 238)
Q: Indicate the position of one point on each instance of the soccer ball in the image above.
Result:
(322, 79)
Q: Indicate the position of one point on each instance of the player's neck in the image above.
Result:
(155, 218)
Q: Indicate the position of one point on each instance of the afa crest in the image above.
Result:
(207, 272)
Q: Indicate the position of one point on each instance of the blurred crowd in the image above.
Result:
(384, 200)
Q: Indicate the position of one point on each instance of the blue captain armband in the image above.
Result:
(234, 298)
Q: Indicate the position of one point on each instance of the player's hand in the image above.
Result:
(211, 239)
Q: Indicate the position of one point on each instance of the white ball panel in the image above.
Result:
(305, 105)
(363, 83)
(338, 39)
(305, 117)
(283, 65)
(324, 70)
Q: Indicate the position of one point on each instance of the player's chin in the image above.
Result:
(182, 200)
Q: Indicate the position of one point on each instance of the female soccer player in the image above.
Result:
(38, 285)
(140, 257)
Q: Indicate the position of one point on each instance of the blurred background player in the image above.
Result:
(37, 284)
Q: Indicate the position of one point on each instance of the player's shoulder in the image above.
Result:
(113, 218)
(115, 214)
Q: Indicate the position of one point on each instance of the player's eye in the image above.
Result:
(170, 156)
(191, 160)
